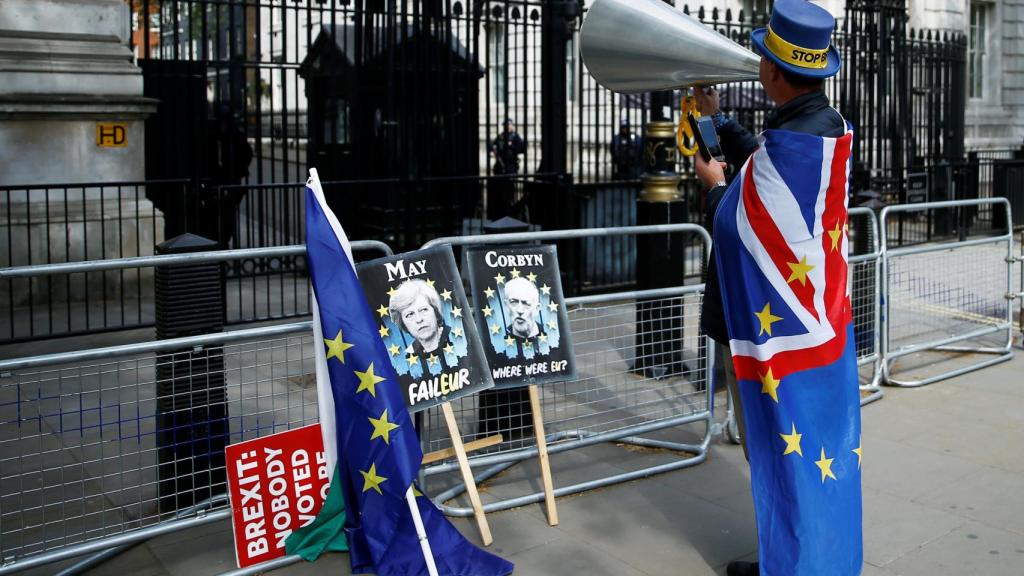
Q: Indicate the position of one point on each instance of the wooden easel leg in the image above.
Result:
(542, 454)
(467, 474)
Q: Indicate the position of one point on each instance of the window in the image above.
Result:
(570, 68)
(977, 49)
(336, 121)
(497, 55)
(758, 7)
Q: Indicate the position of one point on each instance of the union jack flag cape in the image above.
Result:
(781, 248)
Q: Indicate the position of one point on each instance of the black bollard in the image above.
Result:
(507, 411)
(659, 258)
(192, 412)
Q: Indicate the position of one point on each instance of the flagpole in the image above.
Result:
(428, 556)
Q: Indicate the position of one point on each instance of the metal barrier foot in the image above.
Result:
(583, 438)
(1005, 355)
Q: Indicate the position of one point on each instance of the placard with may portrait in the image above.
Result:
(426, 325)
(521, 314)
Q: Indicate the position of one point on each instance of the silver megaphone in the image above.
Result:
(633, 46)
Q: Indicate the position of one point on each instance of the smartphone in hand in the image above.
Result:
(707, 138)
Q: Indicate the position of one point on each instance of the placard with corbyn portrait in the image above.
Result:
(521, 314)
(426, 325)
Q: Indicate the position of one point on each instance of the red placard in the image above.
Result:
(276, 485)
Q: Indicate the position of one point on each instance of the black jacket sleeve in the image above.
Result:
(737, 142)
(711, 206)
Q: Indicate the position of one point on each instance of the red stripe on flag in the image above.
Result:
(771, 238)
(837, 305)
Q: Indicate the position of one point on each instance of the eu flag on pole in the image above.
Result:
(376, 448)
(782, 255)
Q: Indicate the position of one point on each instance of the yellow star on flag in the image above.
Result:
(799, 271)
(430, 282)
(500, 279)
(514, 273)
(416, 491)
(457, 332)
(432, 359)
(446, 294)
(860, 454)
(382, 428)
(368, 381)
(543, 337)
(528, 344)
(391, 292)
(411, 359)
(383, 331)
(489, 292)
(766, 318)
(770, 385)
(457, 312)
(394, 350)
(510, 341)
(552, 324)
(487, 311)
(383, 310)
(546, 290)
(449, 349)
(531, 277)
(835, 235)
(553, 306)
(495, 329)
(371, 480)
(826, 466)
(336, 348)
(792, 441)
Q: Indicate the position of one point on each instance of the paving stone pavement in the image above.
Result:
(943, 494)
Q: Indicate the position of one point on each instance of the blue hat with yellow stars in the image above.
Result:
(798, 39)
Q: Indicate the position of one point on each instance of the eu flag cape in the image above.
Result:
(368, 431)
(782, 256)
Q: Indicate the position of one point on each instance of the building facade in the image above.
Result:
(995, 66)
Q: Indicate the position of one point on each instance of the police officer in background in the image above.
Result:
(506, 148)
(625, 153)
(228, 155)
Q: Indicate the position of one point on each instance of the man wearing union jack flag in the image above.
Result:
(777, 302)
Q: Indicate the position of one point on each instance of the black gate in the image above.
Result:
(397, 102)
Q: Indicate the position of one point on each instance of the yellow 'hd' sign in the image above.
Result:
(112, 134)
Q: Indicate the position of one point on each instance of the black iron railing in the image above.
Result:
(43, 224)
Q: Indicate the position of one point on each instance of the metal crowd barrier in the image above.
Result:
(78, 454)
(609, 401)
(78, 430)
(940, 296)
(1019, 295)
(865, 295)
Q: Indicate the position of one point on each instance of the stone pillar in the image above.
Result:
(71, 111)
(67, 66)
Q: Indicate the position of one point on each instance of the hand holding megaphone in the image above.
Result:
(707, 100)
